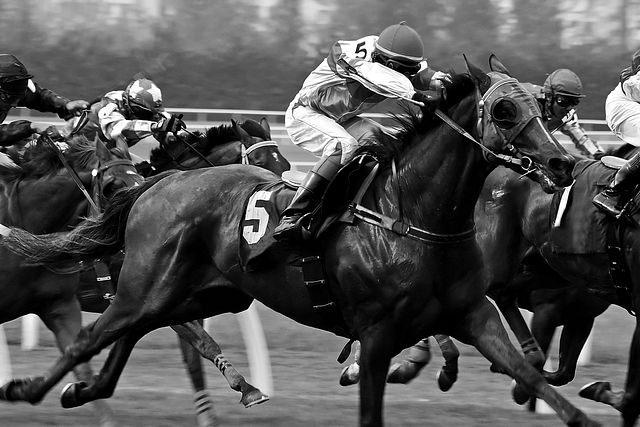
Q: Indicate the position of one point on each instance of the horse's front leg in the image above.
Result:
(205, 413)
(375, 357)
(483, 328)
(194, 333)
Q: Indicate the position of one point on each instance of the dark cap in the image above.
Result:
(564, 82)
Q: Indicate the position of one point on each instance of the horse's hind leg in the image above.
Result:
(65, 321)
(194, 333)
(205, 413)
(483, 329)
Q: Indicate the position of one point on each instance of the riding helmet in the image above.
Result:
(14, 76)
(144, 99)
(564, 82)
(400, 42)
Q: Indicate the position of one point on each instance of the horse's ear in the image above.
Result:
(101, 150)
(265, 125)
(478, 76)
(496, 65)
(241, 134)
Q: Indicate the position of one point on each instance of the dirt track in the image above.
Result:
(154, 390)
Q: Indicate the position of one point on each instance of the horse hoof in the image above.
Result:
(518, 394)
(593, 390)
(69, 395)
(6, 391)
(350, 375)
(253, 398)
(445, 382)
(404, 373)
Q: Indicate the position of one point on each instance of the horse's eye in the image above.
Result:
(505, 113)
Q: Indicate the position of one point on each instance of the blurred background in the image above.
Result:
(254, 54)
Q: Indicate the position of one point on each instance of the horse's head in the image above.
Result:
(258, 148)
(510, 126)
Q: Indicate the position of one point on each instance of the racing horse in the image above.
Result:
(39, 195)
(408, 267)
(248, 143)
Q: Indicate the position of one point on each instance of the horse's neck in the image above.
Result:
(440, 182)
(49, 204)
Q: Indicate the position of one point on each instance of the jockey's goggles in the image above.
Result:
(143, 112)
(565, 101)
(410, 69)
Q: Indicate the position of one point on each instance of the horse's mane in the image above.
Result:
(213, 137)
(39, 159)
(412, 124)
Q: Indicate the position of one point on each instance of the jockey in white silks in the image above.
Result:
(622, 112)
(356, 76)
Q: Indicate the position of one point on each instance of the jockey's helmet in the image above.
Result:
(564, 82)
(144, 99)
(400, 48)
(14, 79)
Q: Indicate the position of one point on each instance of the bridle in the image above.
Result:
(505, 90)
(245, 151)
(128, 176)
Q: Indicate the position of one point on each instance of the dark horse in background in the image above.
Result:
(39, 195)
(514, 222)
(245, 142)
(392, 288)
(250, 143)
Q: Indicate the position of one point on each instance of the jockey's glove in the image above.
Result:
(430, 102)
(170, 124)
(75, 108)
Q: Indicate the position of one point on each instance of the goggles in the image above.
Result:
(143, 112)
(409, 69)
(567, 101)
(9, 98)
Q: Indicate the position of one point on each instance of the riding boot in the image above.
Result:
(307, 198)
(624, 180)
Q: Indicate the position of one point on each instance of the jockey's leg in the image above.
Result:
(624, 180)
(308, 197)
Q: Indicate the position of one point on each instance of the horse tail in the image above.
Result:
(94, 237)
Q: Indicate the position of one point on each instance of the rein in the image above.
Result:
(72, 172)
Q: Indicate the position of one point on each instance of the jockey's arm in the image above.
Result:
(631, 88)
(44, 100)
(585, 145)
(114, 125)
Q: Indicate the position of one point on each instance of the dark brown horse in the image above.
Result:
(394, 282)
(250, 143)
(39, 195)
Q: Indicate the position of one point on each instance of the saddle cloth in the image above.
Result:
(581, 227)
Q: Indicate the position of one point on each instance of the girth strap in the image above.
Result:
(620, 275)
(321, 297)
(103, 277)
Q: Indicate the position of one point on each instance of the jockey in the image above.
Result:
(355, 76)
(622, 112)
(127, 116)
(558, 99)
(17, 89)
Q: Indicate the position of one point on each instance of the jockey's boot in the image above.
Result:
(307, 198)
(627, 176)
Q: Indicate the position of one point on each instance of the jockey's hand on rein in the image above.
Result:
(172, 124)
(430, 102)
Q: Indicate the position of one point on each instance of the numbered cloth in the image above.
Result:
(256, 246)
